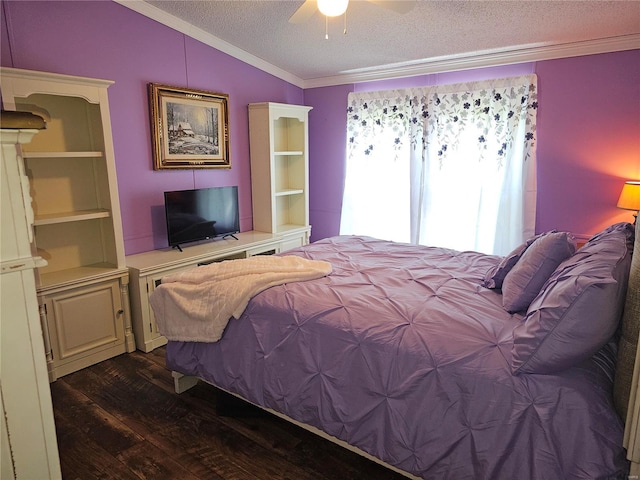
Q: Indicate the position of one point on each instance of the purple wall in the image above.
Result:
(102, 39)
(327, 150)
(588, 124)
(588, 138)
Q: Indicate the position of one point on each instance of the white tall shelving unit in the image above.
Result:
(83, 289)
(279, 147)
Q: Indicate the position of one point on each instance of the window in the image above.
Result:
(450, 166)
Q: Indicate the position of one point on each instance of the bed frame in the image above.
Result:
(626, 391)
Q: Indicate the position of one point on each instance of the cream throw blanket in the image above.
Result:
(196, 305)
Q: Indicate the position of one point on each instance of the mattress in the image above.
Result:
(402, 353)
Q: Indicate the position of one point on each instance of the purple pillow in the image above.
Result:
(495, 276)
(579, 308)
(523, 283)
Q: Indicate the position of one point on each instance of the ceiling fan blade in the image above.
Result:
(305, 12)
(399, 6)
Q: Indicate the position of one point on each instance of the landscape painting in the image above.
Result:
(190, 128)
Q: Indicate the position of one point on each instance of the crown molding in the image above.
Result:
(450, 63)
(196, 33)
(492, 58)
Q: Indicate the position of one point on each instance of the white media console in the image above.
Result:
(147, 269)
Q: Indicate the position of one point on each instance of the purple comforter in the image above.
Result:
(402, 353)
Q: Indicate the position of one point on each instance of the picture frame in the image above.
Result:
(189, 128)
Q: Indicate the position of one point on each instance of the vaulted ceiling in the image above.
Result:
(435, 35)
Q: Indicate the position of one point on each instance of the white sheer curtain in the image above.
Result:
(450, 165)
(377, 197)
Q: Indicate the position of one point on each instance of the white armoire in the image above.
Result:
(29, 448)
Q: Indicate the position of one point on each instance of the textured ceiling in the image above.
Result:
(377, 36)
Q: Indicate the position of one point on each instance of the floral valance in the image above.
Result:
(431, 117)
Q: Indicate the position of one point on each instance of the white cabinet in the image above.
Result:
(85, 324)
(147, 269)
(278, 135)
(28, 443)
(78, 230)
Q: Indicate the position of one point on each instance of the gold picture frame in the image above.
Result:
(189, 128)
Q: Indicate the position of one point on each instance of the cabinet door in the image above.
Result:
(295, 240)
(292, 242)
(86, 326)
(270, 249)
(154, 339)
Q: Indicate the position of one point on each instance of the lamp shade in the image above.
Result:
(332, 8)
(630, 196)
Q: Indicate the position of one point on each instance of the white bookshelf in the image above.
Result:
(279, 145)
(72, 180)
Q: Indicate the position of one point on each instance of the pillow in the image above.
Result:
(579, 308)
(523, 283)
(495, 275)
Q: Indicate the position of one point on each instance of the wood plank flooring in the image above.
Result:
(121, 419)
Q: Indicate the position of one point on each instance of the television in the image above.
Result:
(200, 214)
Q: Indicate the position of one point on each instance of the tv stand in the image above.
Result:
(147, 269)
(230, 235)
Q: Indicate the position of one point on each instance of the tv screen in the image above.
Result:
(201, 214)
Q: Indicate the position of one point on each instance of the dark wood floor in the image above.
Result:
(120, 419)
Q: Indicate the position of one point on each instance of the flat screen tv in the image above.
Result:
(200, 214)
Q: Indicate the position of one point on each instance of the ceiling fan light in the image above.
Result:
(332, 8)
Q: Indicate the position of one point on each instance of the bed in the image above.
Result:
(442, 364)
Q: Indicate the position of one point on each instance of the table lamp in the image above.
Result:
(630, 198)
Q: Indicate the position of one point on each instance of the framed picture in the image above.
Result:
(189, 128)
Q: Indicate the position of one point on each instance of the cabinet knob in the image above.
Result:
(120, 312)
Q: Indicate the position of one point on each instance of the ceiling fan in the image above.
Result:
(334, 8)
